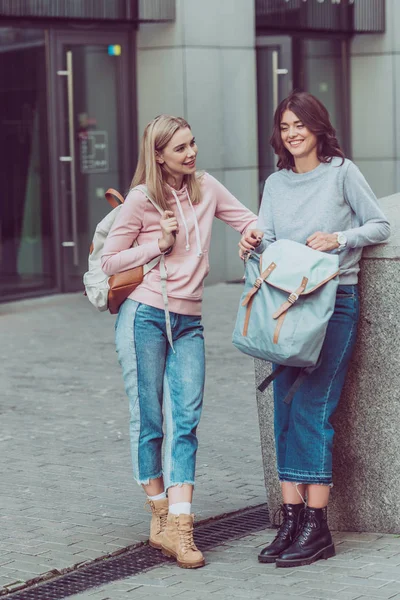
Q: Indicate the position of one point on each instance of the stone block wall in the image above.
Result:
(366, 460)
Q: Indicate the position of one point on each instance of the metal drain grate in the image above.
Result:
(207, 534)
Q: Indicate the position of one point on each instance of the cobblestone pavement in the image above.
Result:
(366, 567)
(67, 494)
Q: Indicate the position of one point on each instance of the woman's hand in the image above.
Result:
(250, 240)
(169, 228)
(324, 242)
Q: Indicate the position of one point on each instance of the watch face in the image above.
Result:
(342, 239)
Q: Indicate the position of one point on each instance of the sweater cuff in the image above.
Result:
(167, 251)
(154, 249)
(252, 225)
(351, 236)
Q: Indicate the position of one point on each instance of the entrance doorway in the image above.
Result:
(92, 116)
(67, 114)
(274, 83)
(26, 238)
(312, 63)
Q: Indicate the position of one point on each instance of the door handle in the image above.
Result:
(71, 158)
(275, 84)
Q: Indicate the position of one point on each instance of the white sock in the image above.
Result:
(158, 497)
(180, 508)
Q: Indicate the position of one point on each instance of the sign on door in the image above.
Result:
(94, 151)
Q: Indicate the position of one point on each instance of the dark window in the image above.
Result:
(320, 67)
(25, 220)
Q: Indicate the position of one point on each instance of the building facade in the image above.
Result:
(80, 80)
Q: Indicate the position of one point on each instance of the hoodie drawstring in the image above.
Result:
(196, 224)
(196, 227)
(182, 217)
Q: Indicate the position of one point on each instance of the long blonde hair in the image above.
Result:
(156, 136)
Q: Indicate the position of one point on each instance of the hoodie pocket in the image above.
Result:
(186, 274)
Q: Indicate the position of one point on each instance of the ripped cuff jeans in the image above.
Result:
(161, 385)
(303, 429)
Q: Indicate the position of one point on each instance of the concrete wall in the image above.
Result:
(375, 109)
(366, 456)
(202, 67)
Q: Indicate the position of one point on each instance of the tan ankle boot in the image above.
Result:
(159, 514)
(178, 542)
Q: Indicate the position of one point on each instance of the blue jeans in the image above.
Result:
(303, 429)
(158, 380)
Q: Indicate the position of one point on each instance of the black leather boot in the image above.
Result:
(286, 533)
(312, 542)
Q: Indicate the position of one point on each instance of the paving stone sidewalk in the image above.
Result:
(66, 493)
(366, 567)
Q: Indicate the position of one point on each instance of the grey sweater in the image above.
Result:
(332, 197)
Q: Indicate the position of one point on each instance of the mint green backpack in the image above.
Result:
(288, 299)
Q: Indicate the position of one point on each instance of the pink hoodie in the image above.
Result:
(188, 263)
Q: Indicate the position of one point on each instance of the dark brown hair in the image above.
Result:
(315, 117)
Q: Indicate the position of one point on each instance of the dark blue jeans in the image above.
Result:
(303, 429)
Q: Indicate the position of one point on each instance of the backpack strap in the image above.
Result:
(294, 296)
(293, 388)
(295, 385)
(248, 301)
(265, 383)
(113, 198)
(304, 373)
(143, 188)
(163, 270)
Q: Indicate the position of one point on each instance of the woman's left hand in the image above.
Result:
(324, 242)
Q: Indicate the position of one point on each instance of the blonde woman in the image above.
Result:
(161, 350)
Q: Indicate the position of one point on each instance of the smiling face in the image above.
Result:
(178, 158)
(299, 140)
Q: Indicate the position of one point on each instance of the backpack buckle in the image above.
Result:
(293, 298)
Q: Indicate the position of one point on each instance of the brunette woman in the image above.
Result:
(319, 198)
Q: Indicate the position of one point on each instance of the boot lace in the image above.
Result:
(163, 521)
(284, 523)
(162, 518)
(305, 528)
(186, 537)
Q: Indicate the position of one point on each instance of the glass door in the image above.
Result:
(26, 233)
(320, 66)
(94, 134)
(316, 65)
(274, 83)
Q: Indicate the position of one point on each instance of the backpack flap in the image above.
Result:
(294, 262)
